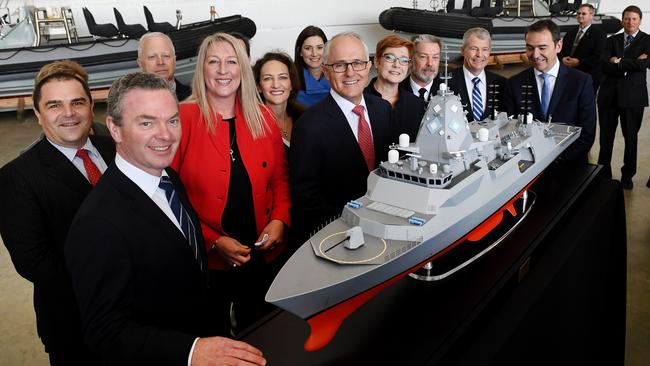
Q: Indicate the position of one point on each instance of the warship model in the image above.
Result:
(453, 185)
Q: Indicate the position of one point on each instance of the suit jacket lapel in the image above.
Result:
(61, 169)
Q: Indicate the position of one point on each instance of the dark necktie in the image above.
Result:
(628, 42)
(577, 41)
(92, 171)
(423, 92)
(181, 215)
(477, 101)
(365, 137)
(546, 93)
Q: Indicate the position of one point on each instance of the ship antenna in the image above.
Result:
(493, 93)
(445, 57)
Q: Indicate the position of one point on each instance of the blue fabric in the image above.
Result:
(315, 90)
(477, 101)
(181, 215)
(546, 93)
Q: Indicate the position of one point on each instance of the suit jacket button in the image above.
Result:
(264, 164)
(268, 211)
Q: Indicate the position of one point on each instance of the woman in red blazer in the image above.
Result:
(232, 162)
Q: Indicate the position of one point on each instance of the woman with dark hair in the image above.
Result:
(392, 60)
(309, 58)
(278, 83)
(234, 168)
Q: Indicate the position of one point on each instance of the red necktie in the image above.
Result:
(365, 138)
(91, 169)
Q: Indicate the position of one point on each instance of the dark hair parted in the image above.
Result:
(633, 9)
(121, 86)
(309, 31)
(284, 59)
(59, 70)
(546, 24)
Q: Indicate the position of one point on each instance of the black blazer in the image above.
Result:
(182, 91)
(40, 192)
(588, 51)
(407, 112)
(406, 85)
(458, 86)
(624, 85)
(573, 102)
(327, 168)
(141, 293)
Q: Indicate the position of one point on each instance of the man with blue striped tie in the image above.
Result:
(481, 91)
(138, 272)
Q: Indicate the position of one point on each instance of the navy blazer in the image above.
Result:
(40, 192)
(326, 166)
(407, 112)
(624, 84)
(182, 91)
(458, 86)
(142, 295)
(588, 51)
(573, 102)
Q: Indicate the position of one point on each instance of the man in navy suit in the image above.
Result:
(623, 93)
(480, 91)
(559, 93)
(134, 250)
(337, 142)
(156, 55)
(40, 192)
(424, 79)
(582, 46)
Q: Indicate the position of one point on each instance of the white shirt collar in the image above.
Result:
(71, 152)
(469, 76)
(553, 71)
(633, 35)
(345, 105)
(147, 182)
(416, 87)
(584, 30)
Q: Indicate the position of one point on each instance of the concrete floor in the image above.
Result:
(19, 344)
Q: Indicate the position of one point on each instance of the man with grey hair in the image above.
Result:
(424, 79)
(156, 55)
(481, 91)
(134, 250)
(337, 142)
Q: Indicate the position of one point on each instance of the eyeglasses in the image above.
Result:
(340, 67)
(389, 57)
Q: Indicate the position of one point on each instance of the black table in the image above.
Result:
(552, 293)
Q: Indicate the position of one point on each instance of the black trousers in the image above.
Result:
(631, 119)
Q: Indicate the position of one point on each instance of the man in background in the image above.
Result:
(156, 55)
(424, 79)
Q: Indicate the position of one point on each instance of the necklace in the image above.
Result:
(232, 140)
(283, 125)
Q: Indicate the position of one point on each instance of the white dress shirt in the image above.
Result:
(540, 80)
(416, 88)
(71, 154)
(353, 119)
(482, 86)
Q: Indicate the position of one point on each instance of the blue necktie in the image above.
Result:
(628, 42)
(477, 102)
(546, 93)
(181, 215)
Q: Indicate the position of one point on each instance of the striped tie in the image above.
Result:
(181, 215)
(365, 138)
(628, 42)
(477, 101)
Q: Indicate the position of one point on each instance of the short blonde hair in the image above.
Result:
(249, 99)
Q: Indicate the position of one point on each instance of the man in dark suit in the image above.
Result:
(559, 93)
(41, 190)
(424, 79)
(623, 93)
(480, 91)
(337, 142)
(134, 249)
(156, 55)
(582, 46)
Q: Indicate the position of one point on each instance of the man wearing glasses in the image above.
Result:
(583, 45)
(480, 91)
(337, 142)
(424, 80)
